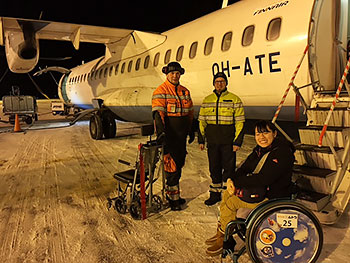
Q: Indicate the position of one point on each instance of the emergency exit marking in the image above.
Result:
(287, 220)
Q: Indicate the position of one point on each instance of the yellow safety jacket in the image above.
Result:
(221, 119)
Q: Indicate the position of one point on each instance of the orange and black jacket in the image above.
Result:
(172, 110)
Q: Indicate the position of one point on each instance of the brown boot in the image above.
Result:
(211, 241)
(216, 248)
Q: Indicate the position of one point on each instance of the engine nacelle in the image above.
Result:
(22, 51)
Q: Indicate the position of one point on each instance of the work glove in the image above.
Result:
(161, 138)
(191, 139)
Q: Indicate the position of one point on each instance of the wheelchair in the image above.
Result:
(130, 182)
(276, 231)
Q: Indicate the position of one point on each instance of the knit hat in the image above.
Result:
(173, 66)
(220, 75)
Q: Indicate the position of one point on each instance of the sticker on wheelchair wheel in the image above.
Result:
(267, 251)
(267, 236)
(287, 220)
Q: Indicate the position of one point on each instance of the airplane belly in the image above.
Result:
(131, 104)
(80, 95)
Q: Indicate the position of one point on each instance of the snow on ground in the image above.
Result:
(54, 185)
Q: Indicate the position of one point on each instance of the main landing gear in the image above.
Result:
(102, 124)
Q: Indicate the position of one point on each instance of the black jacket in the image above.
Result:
(276, 173)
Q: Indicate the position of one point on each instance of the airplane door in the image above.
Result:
(327, 50)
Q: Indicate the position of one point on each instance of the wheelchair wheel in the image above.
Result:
(119, 205)
(135, 210)
(284, 231)
(157, 203)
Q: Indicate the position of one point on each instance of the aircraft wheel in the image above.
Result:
(120, 206)
(95, 127)
(28, 120)
(108, 125)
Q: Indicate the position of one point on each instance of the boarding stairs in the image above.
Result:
(322, 172)
(322, 166)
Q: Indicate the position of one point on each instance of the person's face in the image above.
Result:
(173, 77)
(219, 84)
(264, 139)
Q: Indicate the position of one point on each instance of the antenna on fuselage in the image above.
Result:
(224, 3)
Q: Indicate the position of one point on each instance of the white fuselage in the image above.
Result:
(258, 73)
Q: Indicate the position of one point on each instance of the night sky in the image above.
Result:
(144, 16)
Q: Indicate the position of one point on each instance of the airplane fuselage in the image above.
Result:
(258, 69)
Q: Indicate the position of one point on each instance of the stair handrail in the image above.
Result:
(340, 86)
(291, 84)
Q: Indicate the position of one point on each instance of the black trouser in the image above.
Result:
(222, 164)
(178, 153)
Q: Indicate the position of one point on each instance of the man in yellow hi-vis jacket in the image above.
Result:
(221, 120)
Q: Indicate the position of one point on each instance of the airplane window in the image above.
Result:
(179, 53)
(273, 30)
(146, 63)
(208, 46)
(193, 49)
(156, 59)
(110, 70)
(130, 66)
(100, 73)
(167, 56)
(248, 35)
(226, 41)
(85, 77)
(105, 73)
(116, 69)
(123, 68)
(137, 65)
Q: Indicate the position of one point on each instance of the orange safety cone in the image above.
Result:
(17, 127)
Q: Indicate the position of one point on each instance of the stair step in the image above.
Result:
(335, 136)
(318, 157)
(313, 200)
(339, 118)
(313, 179)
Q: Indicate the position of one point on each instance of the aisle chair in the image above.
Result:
(278, 230)
(128, 197)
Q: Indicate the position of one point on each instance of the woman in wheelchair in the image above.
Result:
(265, 174)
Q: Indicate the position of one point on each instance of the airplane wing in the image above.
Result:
(115, 39)
(66, 31)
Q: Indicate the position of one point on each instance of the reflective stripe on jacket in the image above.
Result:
(172, 101)
(221, 118)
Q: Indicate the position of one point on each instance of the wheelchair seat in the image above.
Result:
(127, 176)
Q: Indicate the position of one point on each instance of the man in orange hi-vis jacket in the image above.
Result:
(172, 111)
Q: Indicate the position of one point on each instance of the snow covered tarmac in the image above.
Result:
(54, 185)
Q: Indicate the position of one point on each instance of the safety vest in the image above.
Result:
(225, 109)
(172, 100)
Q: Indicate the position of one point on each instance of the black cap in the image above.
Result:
(173, 66)
(220, 75)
